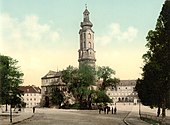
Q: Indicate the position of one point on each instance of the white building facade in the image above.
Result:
(124, 92)
(32, 95)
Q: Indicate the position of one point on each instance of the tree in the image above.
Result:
(67, 74)
(79, 82)
(57, 96)
(105, 73)
(154, 86)
(102, 97)
(11, 78)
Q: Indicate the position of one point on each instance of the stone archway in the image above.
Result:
(119, 99)
(46, 101)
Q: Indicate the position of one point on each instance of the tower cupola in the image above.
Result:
(86, 21)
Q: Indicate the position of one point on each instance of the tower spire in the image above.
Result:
(86, 20)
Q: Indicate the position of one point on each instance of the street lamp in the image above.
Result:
(10, 94)
(139, 108)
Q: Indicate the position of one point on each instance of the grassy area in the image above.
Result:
(151, 121)
(154, 122)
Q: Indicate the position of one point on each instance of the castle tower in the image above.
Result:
(86, 51)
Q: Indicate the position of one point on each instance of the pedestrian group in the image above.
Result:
(106, 109)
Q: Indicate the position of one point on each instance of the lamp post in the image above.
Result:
(10, 94)
(139, 108)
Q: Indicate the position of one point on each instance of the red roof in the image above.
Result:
(30, 89)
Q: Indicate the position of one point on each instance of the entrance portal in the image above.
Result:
(46, 101)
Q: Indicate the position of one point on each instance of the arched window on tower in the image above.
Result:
(89, 44)
(89, 36)
(84, 35)
(84, 44)
(81, 45)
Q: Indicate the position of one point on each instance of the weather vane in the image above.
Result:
(86, 6)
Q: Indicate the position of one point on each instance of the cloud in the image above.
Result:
(25, 33)
(115, 49)
(115, 33)
(35, 45)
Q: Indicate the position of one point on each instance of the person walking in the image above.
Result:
(34, 109)
(112, 109)
(115, 110)
(107, 109)
(104, 109)
(100, 108)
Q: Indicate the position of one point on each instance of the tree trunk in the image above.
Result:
(163, 111)
(158, 111)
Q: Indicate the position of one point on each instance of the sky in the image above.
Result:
(43, 35)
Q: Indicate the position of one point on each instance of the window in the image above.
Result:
(34, 94)
(89, 44)
(89, 36)
(81, 46)
(34, 99)
(45, 89)
(119, 99)
(30, 99)
(84, 44)
(84, 35)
